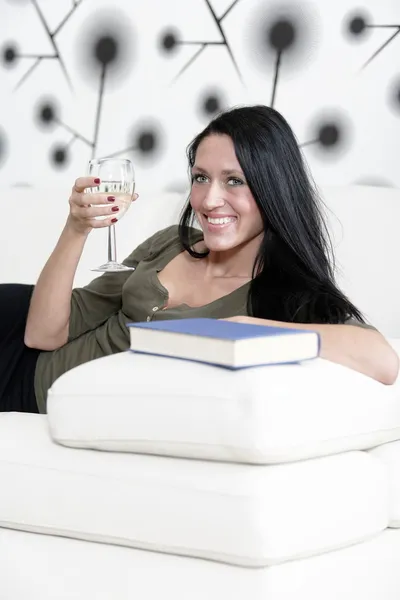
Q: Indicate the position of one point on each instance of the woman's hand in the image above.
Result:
(84, 207)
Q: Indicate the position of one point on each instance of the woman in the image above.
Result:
(262, 258)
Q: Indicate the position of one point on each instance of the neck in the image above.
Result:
(238, 262)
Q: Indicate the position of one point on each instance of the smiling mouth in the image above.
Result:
(220, 220)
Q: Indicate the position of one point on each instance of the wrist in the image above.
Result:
(75, 232)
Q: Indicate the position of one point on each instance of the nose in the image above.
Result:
(214, 197)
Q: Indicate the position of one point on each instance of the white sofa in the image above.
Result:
(278, 483)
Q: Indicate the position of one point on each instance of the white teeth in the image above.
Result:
(221, 221)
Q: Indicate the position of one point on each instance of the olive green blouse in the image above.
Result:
(100, 310)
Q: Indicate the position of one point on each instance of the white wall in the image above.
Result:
(365, 239)
(320, 79)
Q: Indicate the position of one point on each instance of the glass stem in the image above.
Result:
(112, 246)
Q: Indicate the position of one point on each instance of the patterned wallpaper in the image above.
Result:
(84, 78)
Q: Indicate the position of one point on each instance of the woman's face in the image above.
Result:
(221, 198)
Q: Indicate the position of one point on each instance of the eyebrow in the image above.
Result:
(224, 172)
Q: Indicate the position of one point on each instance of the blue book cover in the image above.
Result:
(217, 329)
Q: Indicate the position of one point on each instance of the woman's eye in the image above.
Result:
(199, 178)
(235, 181)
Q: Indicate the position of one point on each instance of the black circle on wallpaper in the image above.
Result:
(211, 103)
(282, 34)
(289, 28)
(106, 49)
(168, 41)
(147, 141)
(47, 113)
(331, 134)
(3, 147)
(356, 25)
(9, 54)
(106, 43)
(59, 156)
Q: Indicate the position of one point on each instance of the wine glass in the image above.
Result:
(117, 177)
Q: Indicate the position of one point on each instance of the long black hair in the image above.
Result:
(293, 275)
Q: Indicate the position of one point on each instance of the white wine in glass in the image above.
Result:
(117, 178)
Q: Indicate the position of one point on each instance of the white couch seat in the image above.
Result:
(247, 515)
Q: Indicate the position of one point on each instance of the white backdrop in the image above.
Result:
(349, 113)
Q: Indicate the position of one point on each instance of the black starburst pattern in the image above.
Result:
(212, 102)
(171, 40)
(104, 52)
(60, 156)
(330, 134)
(105, 47)
(283, 34)
(48, 117)
(357, 25)
(11, 55)
(145, 140)
(47, 114)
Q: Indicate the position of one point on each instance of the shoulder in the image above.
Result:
(164, 236)
(170, 236)
(159, 240)
(162, 241)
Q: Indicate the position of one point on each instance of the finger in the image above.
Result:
(85, 200)
(90, 212)
(88, 199)
(82, 183)
(95, 224)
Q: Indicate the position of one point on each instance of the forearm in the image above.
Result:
(49, 312)
(363, 350)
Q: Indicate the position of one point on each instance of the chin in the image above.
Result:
(219, 243)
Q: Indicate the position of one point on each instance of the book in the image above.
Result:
(224, 343)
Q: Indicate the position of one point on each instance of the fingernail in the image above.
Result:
(97, 180)
(115, 208)
(111, 198)
(114, 220)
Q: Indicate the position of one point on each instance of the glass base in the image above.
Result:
(112, 267)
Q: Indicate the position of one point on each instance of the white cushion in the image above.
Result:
(137, 403)
(389, 454)
(38, 567)
(240, 514)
